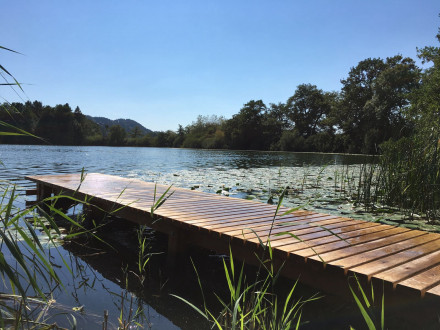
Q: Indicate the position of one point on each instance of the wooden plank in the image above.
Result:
(363, 257)
(254, 221)
(423, 281)
(365, 243)
(435, 291)
(300, 231)
(215, 212)
(265, 226)
(348, 226)
(396, 257)
(30, 203)
(411, 269)
(31, 192)
(312, 244)
(310, 248)
(216, 218)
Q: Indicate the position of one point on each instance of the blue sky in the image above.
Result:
(163, 63)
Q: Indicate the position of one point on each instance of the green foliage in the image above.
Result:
(373, 101)
(244, 130)
(307, 109)
(292, 141)
(425, 108)
(165, 139)
(117, 135)
(374, 318)
(25, 266)
(408, 175)
(136, 132)
(56, 125)
(62, 126)
(254, 305)
(206, 132)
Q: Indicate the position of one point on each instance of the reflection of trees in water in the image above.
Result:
(94, 263)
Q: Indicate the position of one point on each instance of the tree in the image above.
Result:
(426, 99)
(117, 135)
(205, 132)
(245, 129)
(56, 125)
(374, 98)
(77, 114)
(307, 109)
(136, 132)
(165, 139)
(78, 130)
(20, 116)
(273, 125)
(180, 137)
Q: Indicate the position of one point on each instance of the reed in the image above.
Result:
(25, 266)
(373, 316)
(406, 176)
(254, 304)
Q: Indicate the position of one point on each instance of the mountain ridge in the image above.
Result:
(127, 124)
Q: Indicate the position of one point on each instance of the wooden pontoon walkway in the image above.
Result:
(408, 261)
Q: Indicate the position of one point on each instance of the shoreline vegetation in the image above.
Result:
(374, 106)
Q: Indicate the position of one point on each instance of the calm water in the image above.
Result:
(318, 180)
(155, 164)
(315, 181)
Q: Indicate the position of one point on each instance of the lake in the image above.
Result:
(321, 182)
(315, 181)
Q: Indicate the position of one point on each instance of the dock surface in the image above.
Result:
(322, 249)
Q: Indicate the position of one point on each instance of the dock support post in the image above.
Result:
(43, 192)
(177, 248)
(93, 215)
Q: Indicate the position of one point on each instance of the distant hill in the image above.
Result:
(127, 124)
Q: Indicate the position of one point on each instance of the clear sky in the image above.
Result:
(162, 63)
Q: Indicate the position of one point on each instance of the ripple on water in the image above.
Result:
(315, 181)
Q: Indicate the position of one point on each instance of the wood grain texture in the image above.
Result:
(401, 257)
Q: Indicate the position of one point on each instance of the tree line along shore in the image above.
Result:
(380, 100)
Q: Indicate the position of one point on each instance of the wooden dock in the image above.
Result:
(329, 247)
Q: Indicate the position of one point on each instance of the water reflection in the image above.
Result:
(106, 278)
(26, 160)
(321, 182)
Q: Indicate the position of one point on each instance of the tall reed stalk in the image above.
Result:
(407, 176)
(254, 304)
